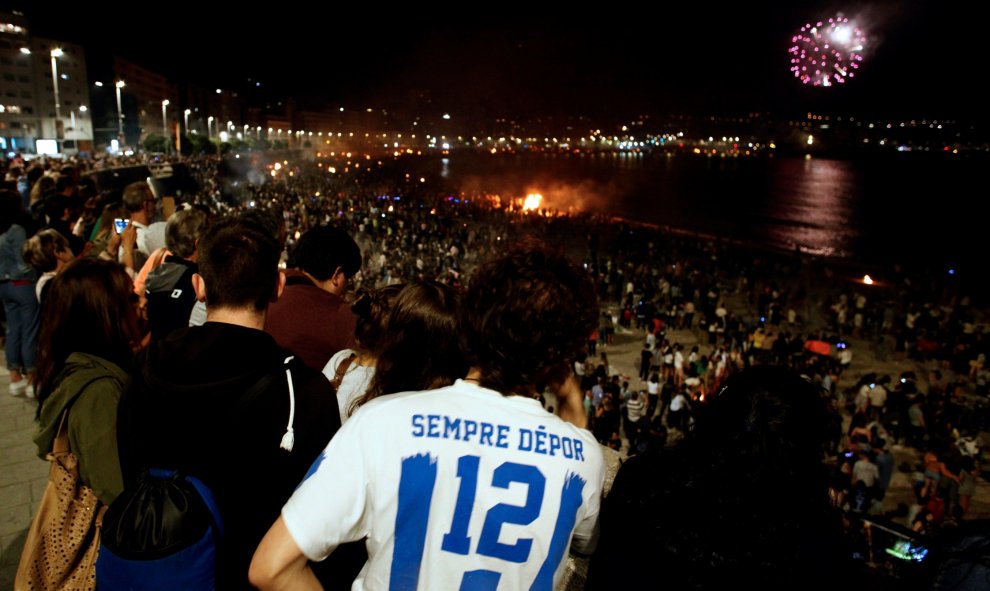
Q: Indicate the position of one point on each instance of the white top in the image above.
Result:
(356, 380)
(458, 487)
(45, 278)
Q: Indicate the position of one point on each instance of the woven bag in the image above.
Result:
(64, 538)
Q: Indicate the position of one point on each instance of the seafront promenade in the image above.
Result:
(22, 476)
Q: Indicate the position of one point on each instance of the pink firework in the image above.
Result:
(827, 52)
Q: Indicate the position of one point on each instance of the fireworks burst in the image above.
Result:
(827, 52)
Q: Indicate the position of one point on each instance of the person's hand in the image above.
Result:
(113, 245)
(128, 238)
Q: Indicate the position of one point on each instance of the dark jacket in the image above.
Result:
(311, 322)
(170, 294)
(195, 404)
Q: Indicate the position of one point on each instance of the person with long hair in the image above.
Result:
(17, 281)
(420, 348)
(84, 348)
(417, 473)
(351, 370)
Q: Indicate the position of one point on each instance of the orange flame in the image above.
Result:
(532, 202)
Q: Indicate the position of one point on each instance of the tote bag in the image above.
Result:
(64, 538)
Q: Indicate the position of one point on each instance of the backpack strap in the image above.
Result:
(342, 368)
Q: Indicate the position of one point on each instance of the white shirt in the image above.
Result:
(356, 380)
(452, 487)
(678, 403)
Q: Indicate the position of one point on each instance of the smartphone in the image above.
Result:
(908, 550)
(119, 224)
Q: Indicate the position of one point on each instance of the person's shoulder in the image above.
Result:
(330, 369)
(302, 373)
(385, 405)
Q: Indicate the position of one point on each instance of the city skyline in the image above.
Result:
(919, 61)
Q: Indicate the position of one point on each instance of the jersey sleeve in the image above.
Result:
(585, 536)
(329, 506)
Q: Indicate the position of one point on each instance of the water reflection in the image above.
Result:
(810, 206)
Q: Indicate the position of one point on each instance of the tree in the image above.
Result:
(154, 142)
(201, 145)
(259, 144)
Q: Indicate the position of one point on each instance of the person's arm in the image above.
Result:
(278, 563)
(128, 247)
(947, 473)
(93, 437)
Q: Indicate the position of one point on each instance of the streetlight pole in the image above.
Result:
(120, 116)
(55, 53)
(165, 104)
(209, 127)
(186, 114)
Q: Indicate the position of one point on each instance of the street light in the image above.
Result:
(165, 104)
(55, 53)
(209, 127)
(120, 114)
(186, 114)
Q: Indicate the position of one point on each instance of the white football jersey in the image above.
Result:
(454, 488)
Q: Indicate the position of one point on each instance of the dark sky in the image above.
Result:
(504, 59)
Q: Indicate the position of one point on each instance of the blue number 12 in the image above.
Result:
(416, 492)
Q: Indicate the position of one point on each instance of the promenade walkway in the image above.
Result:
(22, 476)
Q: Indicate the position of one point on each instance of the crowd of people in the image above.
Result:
(258, 333)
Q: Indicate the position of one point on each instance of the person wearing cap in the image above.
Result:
(311, 319)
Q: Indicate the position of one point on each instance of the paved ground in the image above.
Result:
(22, 477)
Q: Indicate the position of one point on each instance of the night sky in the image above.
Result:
(922, 58)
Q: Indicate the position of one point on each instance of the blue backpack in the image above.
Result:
(162, 534)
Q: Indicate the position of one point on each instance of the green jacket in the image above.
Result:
(91, 388)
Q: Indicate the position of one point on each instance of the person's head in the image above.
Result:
(238, 266)
(111, 211)
(770, 422)
(525, 315)
(89, 309)
(70, 172)
(34, 172)
(752, 490)
(184, 230)
(372, 308)
(46, 250)
(65, 185)
(328, 255)
(419, 349)
(42, 188)
(270, 219)
(139, 201)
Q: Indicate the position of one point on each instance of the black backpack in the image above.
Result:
(162, 534)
